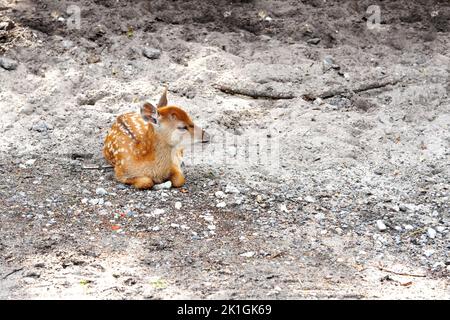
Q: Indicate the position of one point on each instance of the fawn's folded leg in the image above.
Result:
(142, 182)
(176, 177)
(138, 182)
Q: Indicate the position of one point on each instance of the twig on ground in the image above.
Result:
(12, 272)
(254, 93)
(277, 254)
(96, 167)
(342, 90)
(110, 288)
(400, 273)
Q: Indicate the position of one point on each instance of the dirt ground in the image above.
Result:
(354, 203)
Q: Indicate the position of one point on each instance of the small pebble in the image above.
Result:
(157, 212)
(440, 229)
(318, 101)
(431, 233)
(231, 189)
(151, 53)
(380, 225)
(247, 254)
(313, 41)
(220, 194)
(221, 205)
(8, 64)
(101, 191)
(30, 162)
(41, 126)
(429, 252)
(94, 201)
(328, 63)
(161, 186)
(178, 205)
(208, 218)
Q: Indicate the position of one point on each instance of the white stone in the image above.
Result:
(157, 212)
(178, 205)
(93, 201)
(431, 233)
(231, 189)
(208, 218)
(30, 162)
(220, 194)
(440, 229)
(429, 252)
(221, 205)
(318, 101)
(101, 191)
(380, 225)
(247, 254)
(161, 186)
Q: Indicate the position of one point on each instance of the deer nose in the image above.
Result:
(205, 136)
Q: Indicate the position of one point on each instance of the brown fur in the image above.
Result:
(142, 155)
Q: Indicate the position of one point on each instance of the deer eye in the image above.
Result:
(182, 128)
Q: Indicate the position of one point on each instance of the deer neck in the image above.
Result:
(163, 147)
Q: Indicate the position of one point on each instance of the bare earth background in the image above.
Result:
(356, 205)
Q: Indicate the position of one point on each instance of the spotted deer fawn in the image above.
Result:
(146, 148)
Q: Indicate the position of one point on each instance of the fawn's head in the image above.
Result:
(173, 123)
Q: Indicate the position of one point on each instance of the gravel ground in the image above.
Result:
(327, 177)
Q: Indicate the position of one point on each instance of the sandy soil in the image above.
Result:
(330, 150)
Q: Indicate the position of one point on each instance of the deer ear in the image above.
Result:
(163, 100)
(149, 113)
